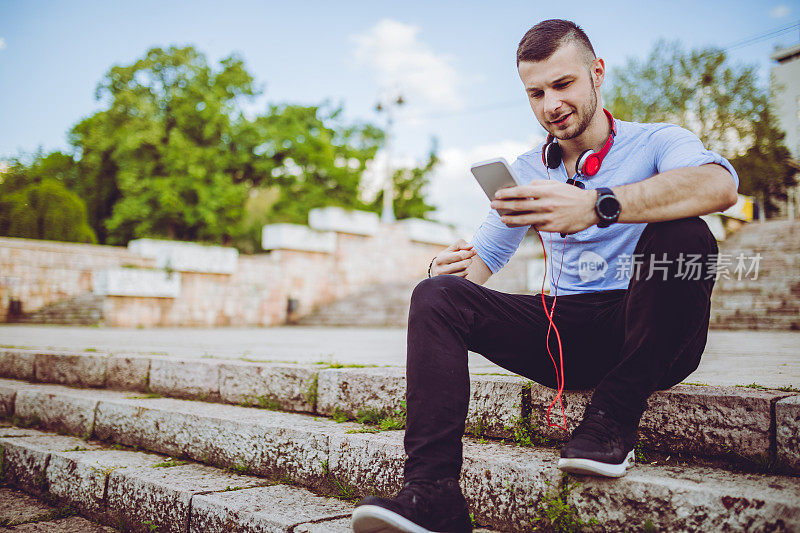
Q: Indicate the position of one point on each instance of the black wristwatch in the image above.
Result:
(606, 207)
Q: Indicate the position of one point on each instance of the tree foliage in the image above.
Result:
(409, 190)
(159, 156)
(45, 210)
(723, 104)
(172, 154)
(699, 90)
(763, 168)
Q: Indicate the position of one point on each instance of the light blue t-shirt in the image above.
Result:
(595, 258)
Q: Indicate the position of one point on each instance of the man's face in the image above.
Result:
(562, 90)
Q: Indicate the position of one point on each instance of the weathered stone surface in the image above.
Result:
(185, 378)
(351, 389)
(495, 404)
(56, 410)
(686, 418)
(495, 401)
(505, 486)
(787, 428)
(291, 387)
(370, 462)
(6, 431)
(128, 372)
(73, 524)
(341, 525)
(160, 497)
(275, 508)
(709, 420)
(78, 369)
(263, 442)
(79, 476)
(60, 408)
(502, 483)
(8, 393)
(25, 458)
(574, 403)
(16, 508)
(16, 363)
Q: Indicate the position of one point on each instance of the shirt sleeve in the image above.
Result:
(494, 242)
(676, 147)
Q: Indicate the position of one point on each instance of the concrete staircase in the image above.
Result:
(383, 305)
(275, 447)
(772, 301)
(83, 310)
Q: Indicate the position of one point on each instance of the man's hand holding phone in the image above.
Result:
(455, 259)
(547, 205)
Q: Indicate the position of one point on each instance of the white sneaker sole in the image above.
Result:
(374, 519)
(595, 468)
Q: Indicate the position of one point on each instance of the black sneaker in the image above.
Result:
(419, 507)
(599, 446)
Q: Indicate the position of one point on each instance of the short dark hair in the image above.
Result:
(542, 41)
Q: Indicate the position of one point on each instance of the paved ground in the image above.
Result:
(31, 515)
(731, 358)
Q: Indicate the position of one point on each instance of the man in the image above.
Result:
(625, 334)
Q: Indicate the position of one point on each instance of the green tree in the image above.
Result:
(699, 90)
(45, 210)
(28, 170)
(764, 169)
(723, 104)
(172, 154)
(409, 186)
(295, 158)
(159, 156)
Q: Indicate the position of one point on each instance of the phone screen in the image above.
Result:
(492, 177)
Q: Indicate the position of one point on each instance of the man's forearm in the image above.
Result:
(678, 193)
(478, 272)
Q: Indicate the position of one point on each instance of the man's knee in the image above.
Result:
(684, 235)
(437, 291)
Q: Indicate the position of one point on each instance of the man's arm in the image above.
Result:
(678, 193)
(477, 271)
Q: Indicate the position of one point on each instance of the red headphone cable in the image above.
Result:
(552, 326)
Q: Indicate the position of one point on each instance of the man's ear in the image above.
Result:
(598, 71)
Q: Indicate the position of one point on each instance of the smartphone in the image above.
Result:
(493, 175)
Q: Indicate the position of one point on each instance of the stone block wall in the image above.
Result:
(39, 273)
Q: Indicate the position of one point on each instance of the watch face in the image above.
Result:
(608, 207)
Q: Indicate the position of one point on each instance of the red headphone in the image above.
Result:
(588, 163)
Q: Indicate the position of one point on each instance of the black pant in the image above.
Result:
(625, 343)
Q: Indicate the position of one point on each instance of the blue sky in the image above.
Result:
(453, 61)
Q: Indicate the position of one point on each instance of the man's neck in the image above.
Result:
(593, 137)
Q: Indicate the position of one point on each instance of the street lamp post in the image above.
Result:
(387, 215)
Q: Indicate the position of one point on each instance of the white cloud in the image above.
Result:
(780, 11)
(400, 60)
(2, 44)
(453, 190)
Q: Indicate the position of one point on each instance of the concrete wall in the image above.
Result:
(39, 273)
(42, 272)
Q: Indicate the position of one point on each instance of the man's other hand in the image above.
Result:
(548, 206)
(455, 259)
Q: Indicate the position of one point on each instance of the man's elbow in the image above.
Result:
(728, 190)
(732, 193)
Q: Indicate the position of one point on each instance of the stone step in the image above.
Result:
(85, 309)
(144, 492)
(507, 486)
(731, 422)
(378, 306)
(21, 512)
